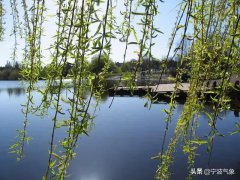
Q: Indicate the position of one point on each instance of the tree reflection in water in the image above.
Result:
(18, 91)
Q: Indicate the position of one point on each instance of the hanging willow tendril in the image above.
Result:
(1, 20)
(204, 57)
(126, 29)
(16, 27)
(31, 63)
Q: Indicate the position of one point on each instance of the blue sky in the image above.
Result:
(164, 21)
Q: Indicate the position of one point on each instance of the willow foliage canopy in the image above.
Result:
(83, 31)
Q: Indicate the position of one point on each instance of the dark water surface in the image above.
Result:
(120, 146)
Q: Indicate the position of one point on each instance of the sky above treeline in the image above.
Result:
(164, 21)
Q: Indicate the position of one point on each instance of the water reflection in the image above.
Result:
(16, 91)
(235, 102)
(124, 139)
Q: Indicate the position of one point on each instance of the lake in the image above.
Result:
(119, 146)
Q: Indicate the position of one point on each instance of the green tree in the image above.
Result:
(129, 66)
(98, 64)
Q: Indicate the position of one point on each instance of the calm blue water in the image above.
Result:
(120, 145)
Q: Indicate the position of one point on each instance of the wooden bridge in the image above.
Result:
(157, 89)
(162, 89)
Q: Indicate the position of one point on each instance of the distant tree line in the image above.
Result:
(154, 65)
(10, 71)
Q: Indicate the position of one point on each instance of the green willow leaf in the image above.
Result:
(139, 13)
